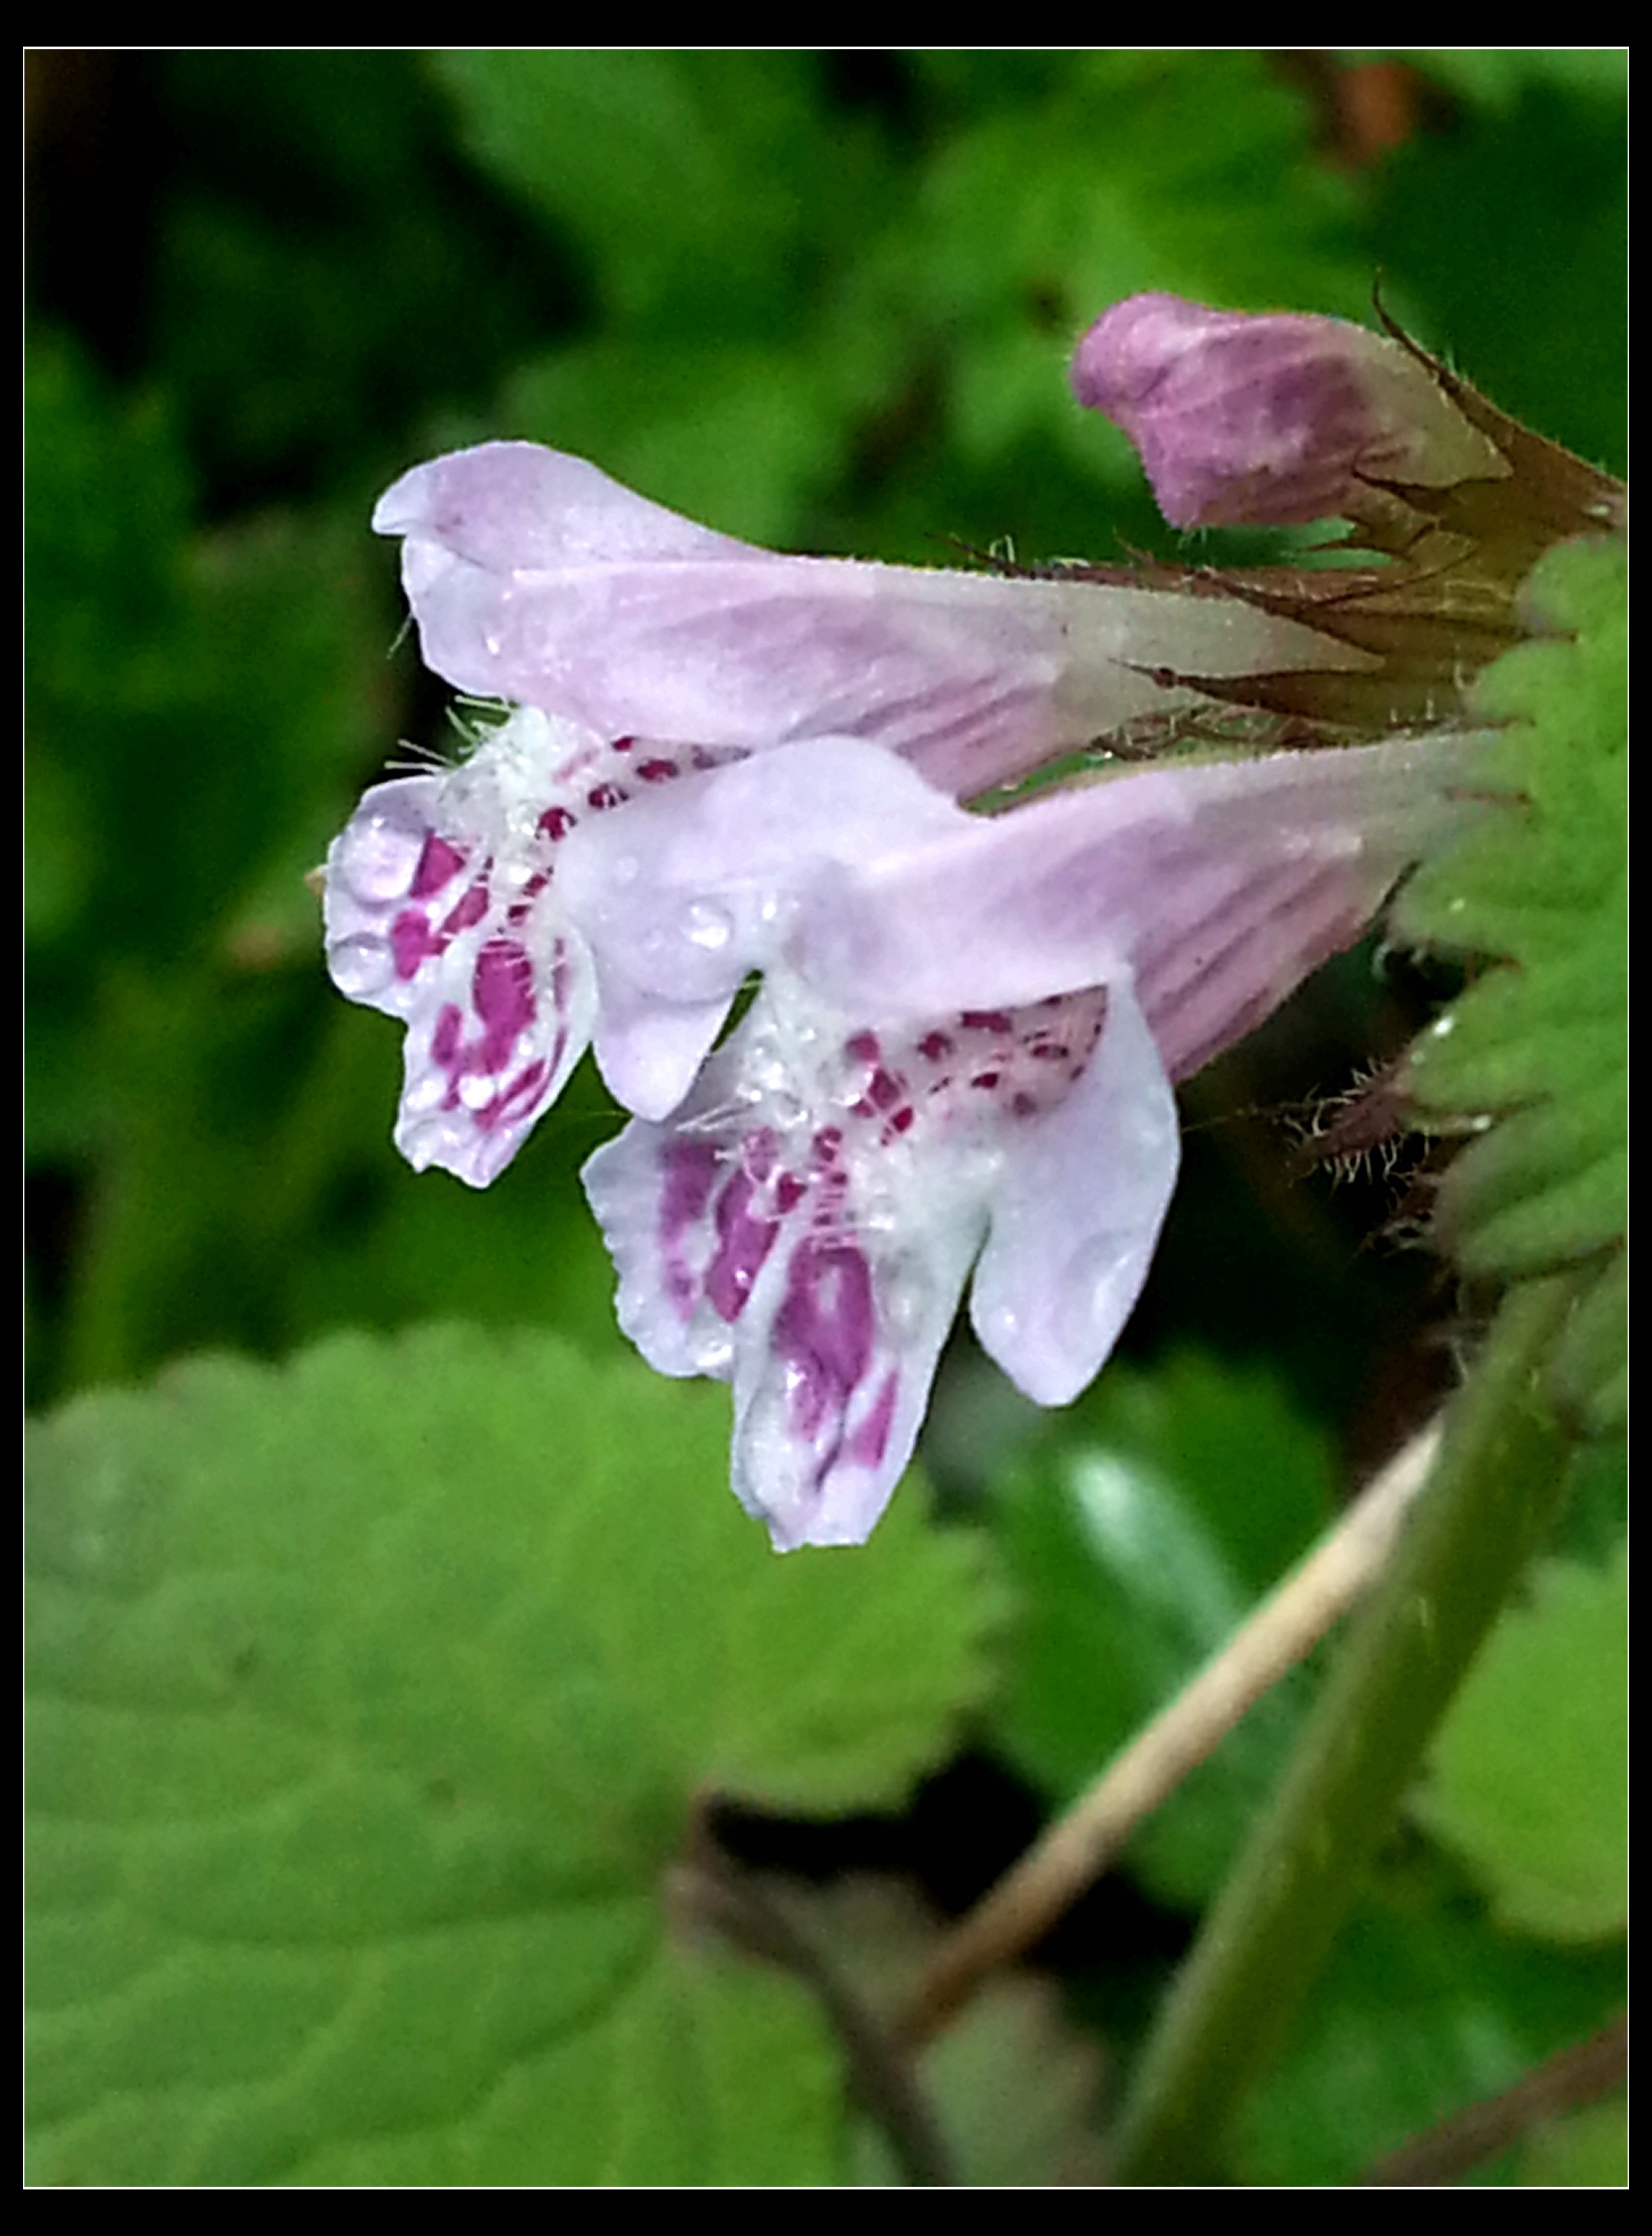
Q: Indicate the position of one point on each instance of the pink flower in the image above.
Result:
(535, 579)
(1267, 421)
(804, 1224)
(957, 1069)
(646, 651)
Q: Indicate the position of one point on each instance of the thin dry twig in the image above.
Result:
(1072, 1854)
(1583, 2073)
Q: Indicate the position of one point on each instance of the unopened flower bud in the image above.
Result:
(1247, 421)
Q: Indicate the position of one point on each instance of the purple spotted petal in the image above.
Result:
(496, 998)
(443, 908)
(1077, 1214)
(693, 889)
(804, 1225)
(1216, 887)
(535, 578)
(1267, 421)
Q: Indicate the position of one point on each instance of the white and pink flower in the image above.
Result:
(718, 764)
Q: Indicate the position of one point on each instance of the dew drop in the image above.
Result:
(362, 966)
(376, 860)
(708, 926)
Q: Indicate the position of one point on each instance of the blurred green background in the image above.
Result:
(824, 301)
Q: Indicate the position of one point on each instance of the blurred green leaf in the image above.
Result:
(369, 1697)
(697, 182)
(1424, 2010)
(1529, 1780)
(1137, 1536)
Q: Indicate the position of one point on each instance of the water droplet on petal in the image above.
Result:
(362, 966)
(708, 926)
(375, 858)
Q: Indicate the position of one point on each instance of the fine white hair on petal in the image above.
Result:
(533, 578)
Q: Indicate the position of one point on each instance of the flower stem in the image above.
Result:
(1498, 1482)
(1078, 1846)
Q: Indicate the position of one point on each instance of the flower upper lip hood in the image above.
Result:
(535, 578)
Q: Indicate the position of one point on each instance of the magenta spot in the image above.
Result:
(987, 1020)
(760, 1152)
(622, 745)
(501, 993)
(519, 911)
(438, 862)
(450, 1029)
(826, 1145)
(412, 943)
(657, 771)
(985, 1079)
(862, 1047)
(605, 795)
(936, 1046)
(556, 823)
(902, 1122)
(513, 1103)
(690, 1174)
(823, 1331)
(870, 1441)
(743, 1243)
(789, 1192)
(1023, 1105)
(884, 1090)
(470, 909)
(1049, 1052)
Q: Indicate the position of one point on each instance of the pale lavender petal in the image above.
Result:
(693, 889)
(1076, 1215)
(533, 578)
(1274, 419)
(422, 922)
(1219, 886)
(781, 1233)
(443, 908)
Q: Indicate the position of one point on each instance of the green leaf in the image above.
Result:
(1129, 170)
(1424, 2010)
(1529, 1777)
(694, 181)
(1539, 1046)
(369, 1700)
(1587, 2150)
(1137, 1536)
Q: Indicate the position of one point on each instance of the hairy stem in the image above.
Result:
(1499, 1482)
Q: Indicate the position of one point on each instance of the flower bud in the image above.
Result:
(1247, 421)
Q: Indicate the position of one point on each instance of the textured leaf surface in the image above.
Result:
(1537, 1045)
(369, 1700)
(1530, 1779)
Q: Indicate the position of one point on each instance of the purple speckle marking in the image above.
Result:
(450, 1031)
(657, 771)
(743, 1243)
(438, 862)
(412, 943)
(870, 1441)
(605, 795)
(824, 1331)
(468, 910)
(502, 992)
